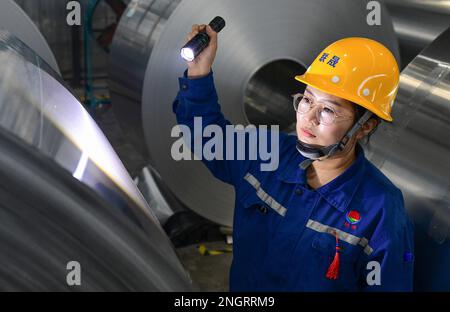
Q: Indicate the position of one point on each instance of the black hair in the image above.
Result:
(359, 112)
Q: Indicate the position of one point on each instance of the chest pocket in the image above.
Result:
(249, 232)
(323, 252)
(255, 224)
(258, 216)
(325, 243)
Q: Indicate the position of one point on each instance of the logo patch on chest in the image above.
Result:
(352, 218)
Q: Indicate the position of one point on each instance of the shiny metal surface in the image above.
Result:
(65, 194)
(417, 23)
(136, 36)
(157, 195)
(15, 20)
(263, 46)
(414, 152)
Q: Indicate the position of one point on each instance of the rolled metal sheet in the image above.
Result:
(15, 20)
(264, 45)
(138, 32)
(65, 195)
(157, 196)
(417, 23)
(414, 152)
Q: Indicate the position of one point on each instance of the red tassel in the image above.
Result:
(333, 269)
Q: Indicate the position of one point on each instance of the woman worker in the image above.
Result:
(326, 219)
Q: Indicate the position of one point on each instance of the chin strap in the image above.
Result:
(313, 152)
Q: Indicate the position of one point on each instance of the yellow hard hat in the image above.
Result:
(360, 70)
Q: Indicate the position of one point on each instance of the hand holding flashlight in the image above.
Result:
(201, 47)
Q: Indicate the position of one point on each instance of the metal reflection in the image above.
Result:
(135, 38)
(417, 23)
(414, 152)
(16, 21)
(65, 194)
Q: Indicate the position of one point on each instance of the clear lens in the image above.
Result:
(326, 116)
(296, 98)
(303, 104)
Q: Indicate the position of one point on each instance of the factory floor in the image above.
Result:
(209, 272)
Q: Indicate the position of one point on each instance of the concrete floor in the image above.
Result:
(209, 272)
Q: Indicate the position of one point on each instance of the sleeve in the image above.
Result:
(227, 152)
(390, 264)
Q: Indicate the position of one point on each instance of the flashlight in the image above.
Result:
(196, 45)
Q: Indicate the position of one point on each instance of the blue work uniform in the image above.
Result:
(284, 232)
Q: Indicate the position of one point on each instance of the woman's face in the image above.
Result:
(310, 131)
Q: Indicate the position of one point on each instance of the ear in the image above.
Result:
(366, 128)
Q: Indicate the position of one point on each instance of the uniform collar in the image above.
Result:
(338, 192)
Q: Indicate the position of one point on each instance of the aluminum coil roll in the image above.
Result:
(16, 21)
(264, 44)
(65, 195)
(414, 152)
(417, 23)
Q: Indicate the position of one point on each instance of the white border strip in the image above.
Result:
(346, 237)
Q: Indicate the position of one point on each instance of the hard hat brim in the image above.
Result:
(320, 82)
